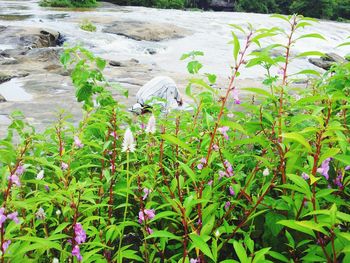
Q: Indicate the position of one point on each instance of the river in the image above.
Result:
(208, 31)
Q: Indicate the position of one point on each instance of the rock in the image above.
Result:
(4, 78)
(51, 55)
(327, 61)
(2, 99)
(150, 51)
(29, 37)
(127, 63)
(221, 5)
(114, 63)
(334, 58)
(140, 30)
(7, 77)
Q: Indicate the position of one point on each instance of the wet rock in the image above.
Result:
(4, 60)
(327, 61)
(114, 63)
(221, 5)
(51, 55)
(6, 77)
(29, 38)
(127, 63)
(150, 51)
(2, 99)
(140, 30)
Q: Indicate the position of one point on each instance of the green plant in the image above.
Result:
(88, 26)
(257, 178)
(68, 3)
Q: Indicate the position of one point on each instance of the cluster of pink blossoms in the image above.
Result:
(80, 237)
(228, 170)
(3, 217)
(147, 214)
(14, 178)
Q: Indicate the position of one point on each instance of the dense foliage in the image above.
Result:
(255, 179)
(69, 3)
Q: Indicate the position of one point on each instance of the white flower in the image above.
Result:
(151, 125)
(217, 233)
(58, 212)
(128, 142)
(40, 214)
(55, 260)
(266, 172)
(40, 175)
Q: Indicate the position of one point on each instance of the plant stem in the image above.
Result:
(126, 206)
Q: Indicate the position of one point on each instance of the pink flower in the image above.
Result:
(194, 260)
(2, 216)
(76, 253)
(221, 174)
(80, 235)
(210, 183)
(149, 230)
(347, 168)
(235, 96)
(324, 169)
(64, 166)
(215, 147)
(232, 192)
(305, 176)
(13, 216)
(77, 143)
(146, 214)
(227, 205)
(114, 135)
(20, 170)
(147, 192)
(201, 164)
(14, 179)
(6, 245)
(223, 130)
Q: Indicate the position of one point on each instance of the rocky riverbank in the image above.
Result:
(138, 43)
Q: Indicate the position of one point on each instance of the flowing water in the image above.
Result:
(210, 33)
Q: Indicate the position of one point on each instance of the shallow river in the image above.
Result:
(210, 34)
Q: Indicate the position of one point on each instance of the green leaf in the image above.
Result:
(100, 63)
(308, 72)
(237, 27)
(240, 251)
(198, 242)
(173, 140)
(193, 67)
(332, 152)
(282, 17)
(236, 46)
(278, 256)
(189, 172)
(345, 159)
(260, 92)
(344, 44)
(163, 234)
(298, 138)
(314, 35)
(310, 53)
